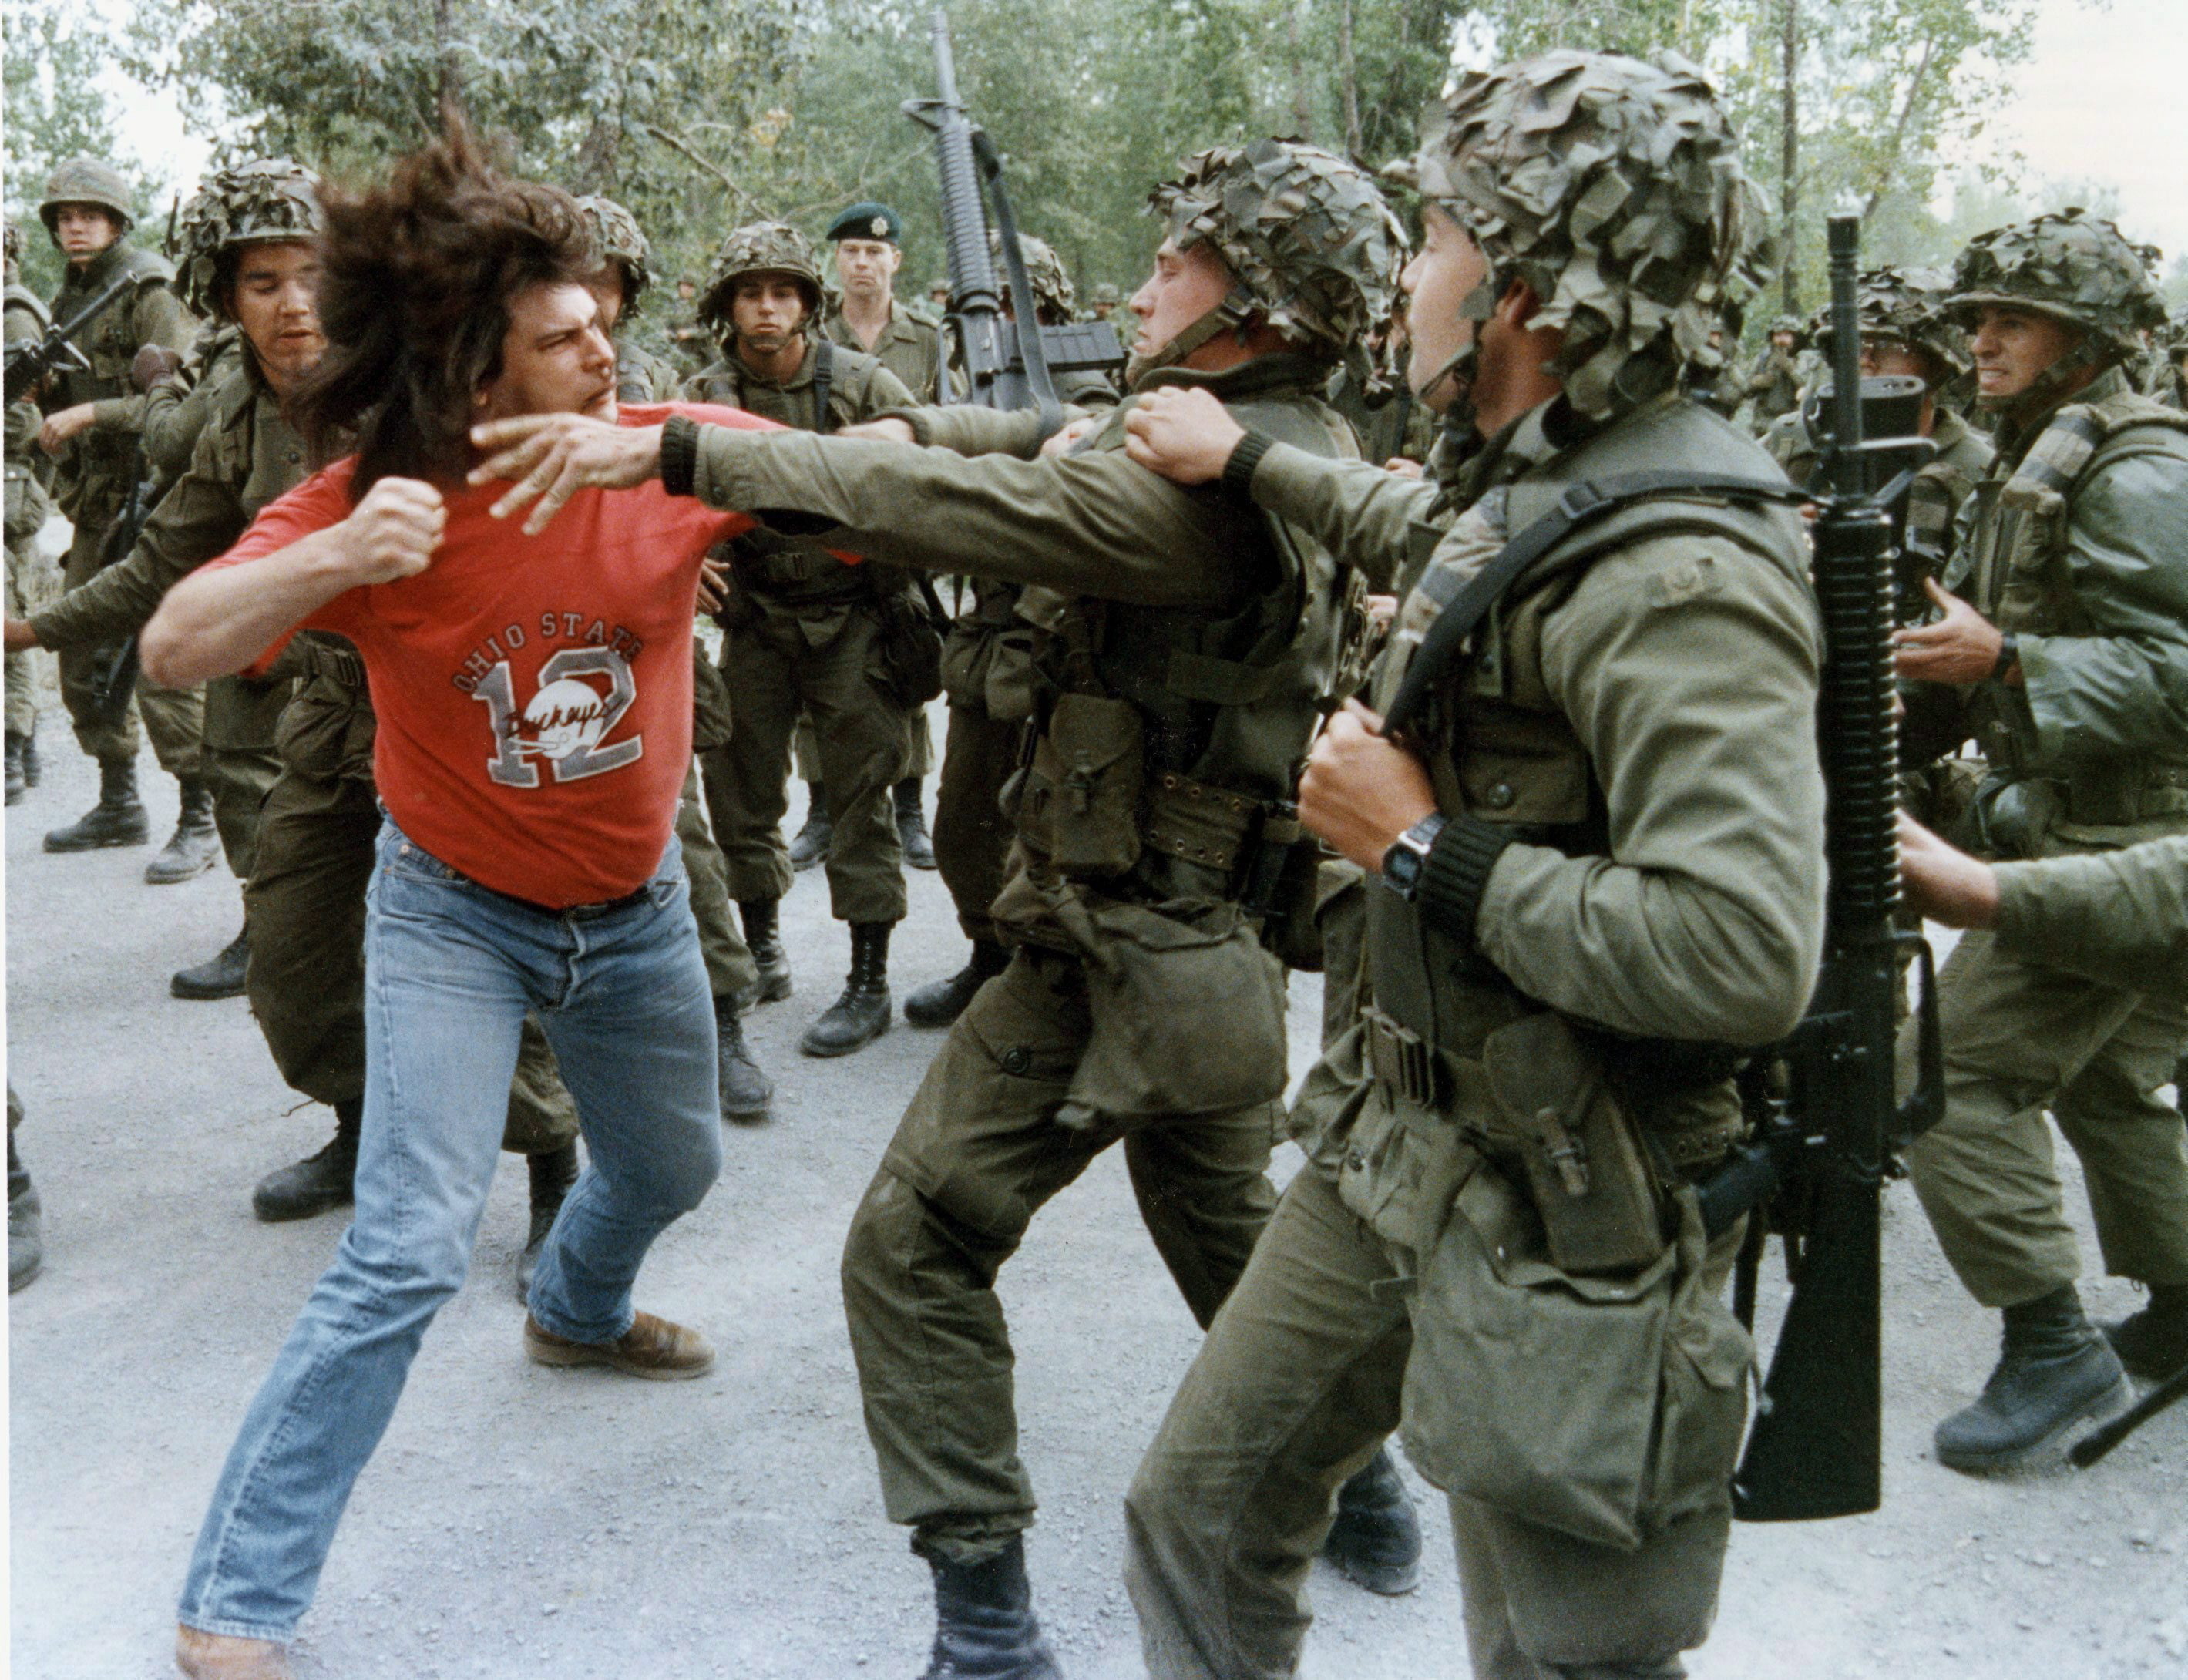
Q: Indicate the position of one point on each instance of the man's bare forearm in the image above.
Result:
(216, 623)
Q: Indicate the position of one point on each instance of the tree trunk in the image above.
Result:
(1348, 68)
(1302, 103)
(1790, 153)
(451, 94)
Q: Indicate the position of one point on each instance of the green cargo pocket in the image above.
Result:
(1605, 1408)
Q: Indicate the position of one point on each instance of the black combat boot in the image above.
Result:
(552, 1175)
(2153, 1343)
(764, 941)
(26, 1225)
(746, 1091)
(117, 820)
(1376, 1541)
(861, 1014)
(984, 1622)
(195, 846)
(2055, 1370)
(216, 977)
(810, 843)
(17, 780)
(942, 1001)
(317, 1182)
(912, 825)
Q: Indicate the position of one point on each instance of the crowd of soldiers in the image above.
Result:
(1581, 887)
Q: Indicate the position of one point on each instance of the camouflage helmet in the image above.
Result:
(272, 198)
(1052, 286)
(616, 231)
(2072, 266)
(1311, 245)
(1791, 324)
(1613, 187)
(759, 248)
(86, 180)
(1908, 305)
(1106, 293)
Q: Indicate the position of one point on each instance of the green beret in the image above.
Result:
(867, 221)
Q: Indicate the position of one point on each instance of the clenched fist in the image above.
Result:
(1181, 432)
(394, 531)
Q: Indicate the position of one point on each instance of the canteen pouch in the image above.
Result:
(1606, 1408)
(1080, 805)
(912, 649)
(1561, 1126)
(1187, 1008)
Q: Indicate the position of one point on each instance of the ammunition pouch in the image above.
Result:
(1605, 1408)
(315, 658)
(911, 648)
(1077, 803)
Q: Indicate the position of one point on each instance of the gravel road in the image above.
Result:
(523, 1522)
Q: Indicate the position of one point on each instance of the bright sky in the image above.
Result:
(2101, 101)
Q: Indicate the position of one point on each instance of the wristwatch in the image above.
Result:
(2009, 656)
(1408, 856)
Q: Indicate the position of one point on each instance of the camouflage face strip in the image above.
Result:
(271, 199)
(86, 180)
(1307, 236)
(2072, 266)
(1614, 188)
(1052, 284)
(621, 239)
(759, 248)
(1908, 304)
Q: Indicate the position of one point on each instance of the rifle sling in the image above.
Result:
(1581, 504)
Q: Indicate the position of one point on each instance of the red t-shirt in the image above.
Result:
(533, 693)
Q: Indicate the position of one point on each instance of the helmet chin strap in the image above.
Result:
(2049, 388)
(1232, 314)
(1462, 364)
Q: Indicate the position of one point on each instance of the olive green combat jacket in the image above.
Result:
(176, 408)
(908, 348)
(2102, 914)
(94, 469)
(641, 376)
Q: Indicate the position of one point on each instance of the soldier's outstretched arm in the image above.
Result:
(159, 319)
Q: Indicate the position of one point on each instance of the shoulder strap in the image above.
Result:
(1579, 505)
(824, 375)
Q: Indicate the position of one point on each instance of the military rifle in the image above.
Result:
(31, 361)
(1009, 364)
(1826, 1145)
(115, 679)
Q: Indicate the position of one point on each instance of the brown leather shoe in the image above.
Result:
(652, 1348)
(222, 1656)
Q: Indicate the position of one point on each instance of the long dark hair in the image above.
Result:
(415, 277)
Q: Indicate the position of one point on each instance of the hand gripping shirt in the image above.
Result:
(533, 693)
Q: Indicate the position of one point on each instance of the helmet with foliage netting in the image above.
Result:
(1310, 243)
(2072, 266)
(616, 231)
(1052, 286)
(86, 180)
(1613, 187)
(1908, 305)
(271, 200)
(759, 248)
(1106, 293)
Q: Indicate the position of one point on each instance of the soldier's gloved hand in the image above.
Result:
(153, 363)
(55, 434)
(394, 531)
(1960, 648)
(1361, 790)
(549, 458)
(1943, 884)
(1181, 432)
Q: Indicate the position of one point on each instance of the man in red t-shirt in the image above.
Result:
(534, 700)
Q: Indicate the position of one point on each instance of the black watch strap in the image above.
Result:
(680, 456)
(1457, 873)
(2009, 656)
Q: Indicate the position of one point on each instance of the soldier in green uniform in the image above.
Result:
(866, 316)
(1773, 386)
(1594, 869)
(988, 673)
(1188, 642)
(92, 421)
(245, 245)
(805, 631)
(732, 976)
(1105, 302)
(2064, 635)
(28, 509)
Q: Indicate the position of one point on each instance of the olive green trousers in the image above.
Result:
(972, 835)
(2019, 1040)
(239, 761)
(975, 1157)
(173, 717)
(1296, 1386)
(27, 594)
(919, 760)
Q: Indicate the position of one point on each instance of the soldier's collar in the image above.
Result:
(798, 380)
(2016, 436)
(1278, 372)
(100, 269)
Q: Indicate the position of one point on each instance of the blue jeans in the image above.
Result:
(451, 969)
